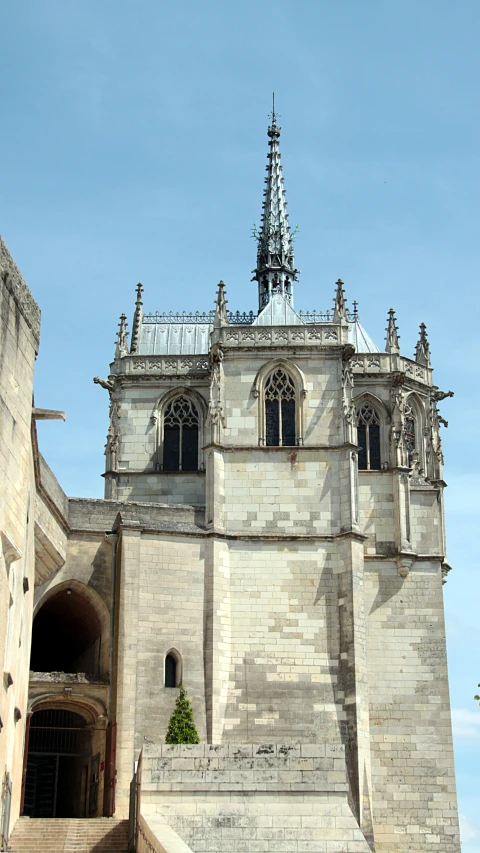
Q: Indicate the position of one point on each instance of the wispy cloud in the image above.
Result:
(465, 723)
(469, 829)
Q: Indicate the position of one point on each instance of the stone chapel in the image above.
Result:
(272, 537)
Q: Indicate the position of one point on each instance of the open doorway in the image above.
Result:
(62, 773)
(66, 635)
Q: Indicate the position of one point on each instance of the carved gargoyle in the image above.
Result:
(441, 395)
(104, 383)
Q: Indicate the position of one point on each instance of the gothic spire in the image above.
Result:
(137, 319)
(275, 270)
(422, 349)
(392, 340)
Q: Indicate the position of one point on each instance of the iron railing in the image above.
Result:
(239, 318)
(134, 809)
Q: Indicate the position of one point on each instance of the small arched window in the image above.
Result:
(180, 436)
(279, 409)
(368, 431)
(173, 670)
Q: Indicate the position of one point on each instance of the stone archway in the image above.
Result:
(63, 764)
(66, 634)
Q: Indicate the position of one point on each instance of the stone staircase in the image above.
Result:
(69, 835)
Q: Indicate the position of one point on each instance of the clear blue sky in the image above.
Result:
(133, 147)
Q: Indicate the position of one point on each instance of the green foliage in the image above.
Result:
(477, 697)
(182, 728)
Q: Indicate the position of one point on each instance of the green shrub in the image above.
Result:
(182, 728)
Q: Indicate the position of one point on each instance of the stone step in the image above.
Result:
(69, 835)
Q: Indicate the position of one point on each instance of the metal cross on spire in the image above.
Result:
(275, 270)
(273, 113)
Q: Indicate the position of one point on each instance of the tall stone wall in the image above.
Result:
(412, 755)
(284, 649)
(19, 339)
(160, 589)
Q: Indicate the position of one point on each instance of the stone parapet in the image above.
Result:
(100, 515)
(250, 767)
(233, 798)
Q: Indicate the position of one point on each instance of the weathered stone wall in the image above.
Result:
(425, 521)
(414, 800)
(174, 488)
(282, 490)
(52, 489)
(90, 514)
(284, 646)
(19, 338)
(88, 562)
(160, 599)
(270, 797)
(377, 512)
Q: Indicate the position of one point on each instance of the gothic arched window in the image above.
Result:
(279, 409)
(180, 436)
(368, 431)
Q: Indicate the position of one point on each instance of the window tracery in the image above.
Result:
(368, 432)
(280, 396)
(180, 435)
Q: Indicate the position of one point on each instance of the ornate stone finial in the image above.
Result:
(422, 349)
(137, 318)
(392, 340)
(121, 348)
(340, 311)
(275, 271)
(220, 318)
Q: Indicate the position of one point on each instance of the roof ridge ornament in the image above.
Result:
(137, 318)
(340, 310)
(422, 349)
(275, 271)
(392, 344)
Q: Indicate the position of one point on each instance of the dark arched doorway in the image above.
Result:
(66, 635)
(62, 774)
(65, 750)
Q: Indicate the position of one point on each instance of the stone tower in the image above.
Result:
(272, 536)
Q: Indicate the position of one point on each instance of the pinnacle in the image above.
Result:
(340, 312)
(392, 339)
(422, 349)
